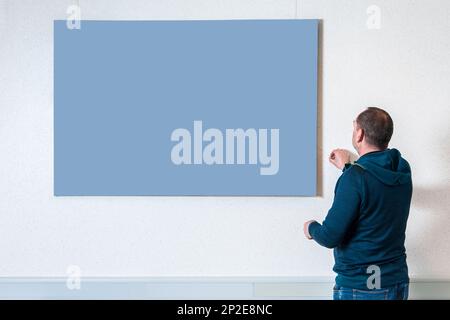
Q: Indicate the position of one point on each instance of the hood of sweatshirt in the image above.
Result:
(388, 166)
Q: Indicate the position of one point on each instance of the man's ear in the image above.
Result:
(359, 135)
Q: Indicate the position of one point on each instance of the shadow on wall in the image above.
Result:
(434, 201)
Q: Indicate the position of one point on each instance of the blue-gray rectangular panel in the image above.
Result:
(185, 108)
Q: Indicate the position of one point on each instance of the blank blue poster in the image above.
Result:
(226, 108)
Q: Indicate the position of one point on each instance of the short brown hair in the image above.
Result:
(377, 125)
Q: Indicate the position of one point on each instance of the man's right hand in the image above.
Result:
(339, 157)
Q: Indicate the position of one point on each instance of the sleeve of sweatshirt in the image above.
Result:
(343, 212)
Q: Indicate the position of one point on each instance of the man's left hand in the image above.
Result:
(305, 229)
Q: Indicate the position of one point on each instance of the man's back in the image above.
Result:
(367, 222)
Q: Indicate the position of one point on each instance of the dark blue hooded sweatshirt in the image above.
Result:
(367, 221)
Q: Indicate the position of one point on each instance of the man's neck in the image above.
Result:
(368, 149)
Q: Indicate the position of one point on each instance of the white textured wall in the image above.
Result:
(404, 67)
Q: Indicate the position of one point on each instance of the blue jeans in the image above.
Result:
(398, 292)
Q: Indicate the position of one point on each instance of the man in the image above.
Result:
(367, 221)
